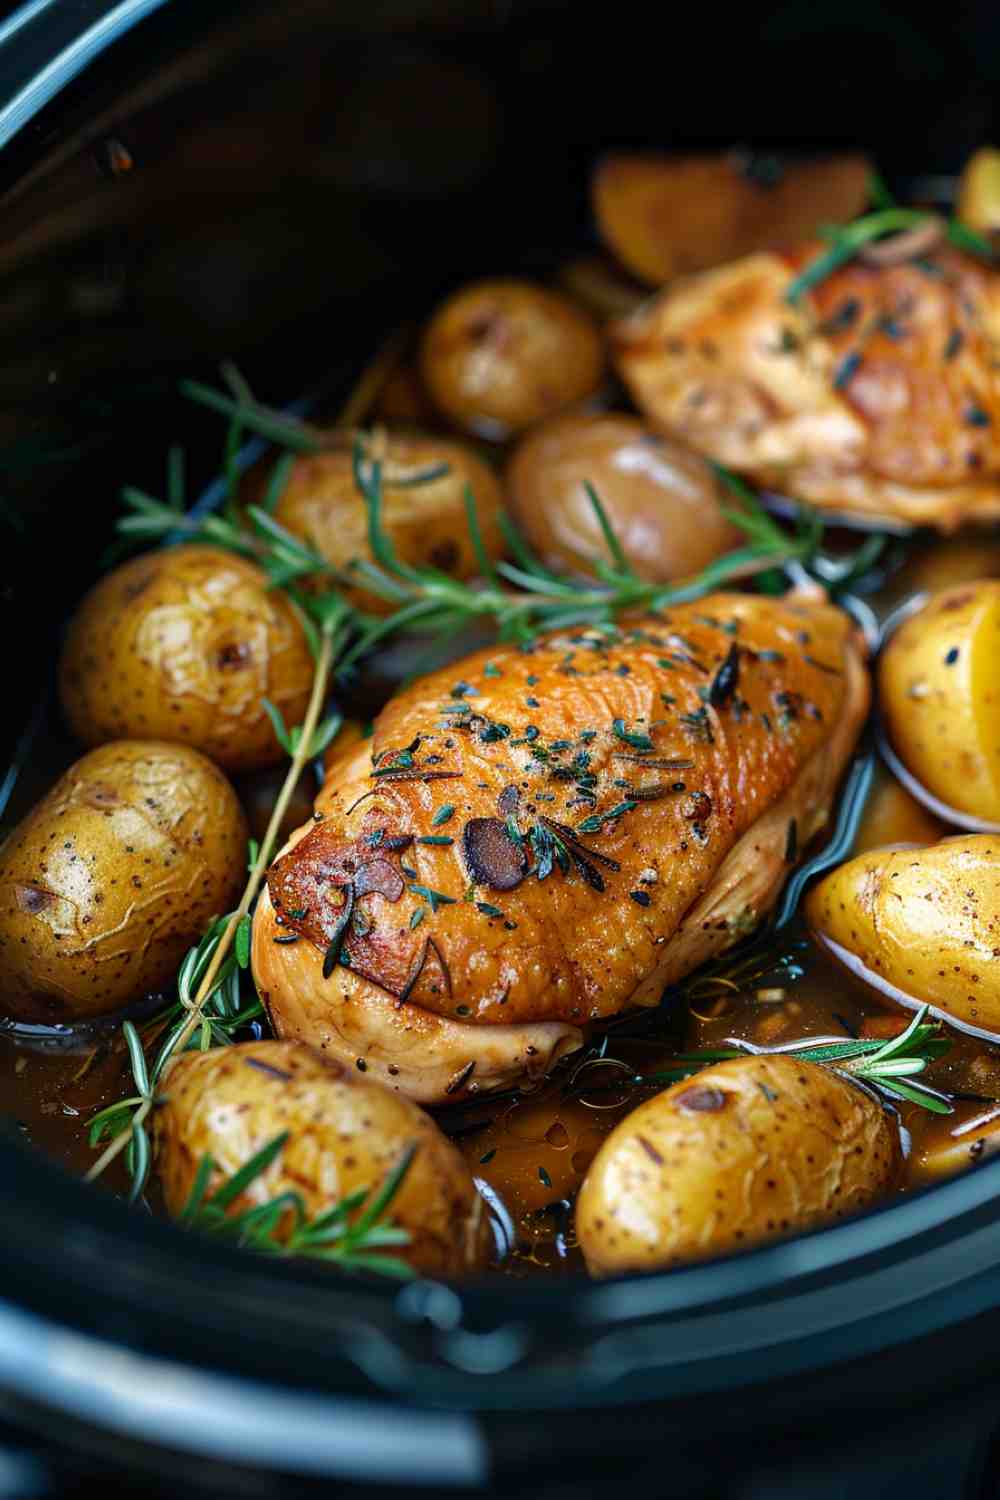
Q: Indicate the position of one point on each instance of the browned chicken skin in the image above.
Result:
(877, 394)
(538, 839)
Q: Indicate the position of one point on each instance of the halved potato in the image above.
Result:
(977, 202)
(939, 681)
(924, 922)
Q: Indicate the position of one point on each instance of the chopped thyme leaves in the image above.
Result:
(435, 838)
(635, 738)
(488, 910)
(443, 814)
(417, 917)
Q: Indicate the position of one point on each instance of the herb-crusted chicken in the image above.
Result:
(876, 393)
(542, 838)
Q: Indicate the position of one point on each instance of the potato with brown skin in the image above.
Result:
(112, 876)
(939, 686)
(346, 1134)
(424, 480)
(663, 501)
(184, 644)
(746, 1151)
(498, 356)
(923, 922)
(664, 216)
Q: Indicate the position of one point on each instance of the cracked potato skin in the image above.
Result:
(346, 1133)
(111, 877)
(183, 644)
(924, 921)
(741, 1153)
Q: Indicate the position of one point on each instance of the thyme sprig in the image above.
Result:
(890, 1066)
(282, 1226)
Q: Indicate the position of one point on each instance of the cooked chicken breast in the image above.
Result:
(542, 838)
(877, 394)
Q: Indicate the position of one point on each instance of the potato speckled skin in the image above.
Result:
(939, 683)
(499, 356)
(743, 1152)
(346, 1133)
(424, 518)
(924, 921)
(662, 500)
(112, 876)
(183, 644)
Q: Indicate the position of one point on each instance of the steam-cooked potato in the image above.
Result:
(666, 215)
(923, 921)
(184, 644)
(663, 501)
(424, 480)
(111, 877)
(939, 680)
(346, 1133)
(977, 202)
(498, 356)
(745, 1151)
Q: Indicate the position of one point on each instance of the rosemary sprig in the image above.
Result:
(282, 1225)
(890, 1066)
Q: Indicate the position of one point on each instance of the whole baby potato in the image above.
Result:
(423, 484)
(939, 682)
(346, 1133)
(744, 1152)
(498, 356)
(922, 921)
(977, 201)
(663, 501)
(184, 644)
(112, 876)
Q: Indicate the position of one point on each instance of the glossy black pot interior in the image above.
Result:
(283, 185)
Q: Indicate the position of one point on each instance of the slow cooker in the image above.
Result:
(283, 184)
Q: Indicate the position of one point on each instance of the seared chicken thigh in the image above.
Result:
(540, 838)
(876, 393)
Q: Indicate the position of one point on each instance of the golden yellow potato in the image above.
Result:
(745, 1151)
(184, 644)
(423, 509)
(939, 685)
(663, 501)
(112, 876)
(498, 356)
(892, 816)
(977, 202)
(664, 216)
(346, 1133)
(925, 922)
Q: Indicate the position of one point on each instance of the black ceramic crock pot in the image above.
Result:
(282, 184)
